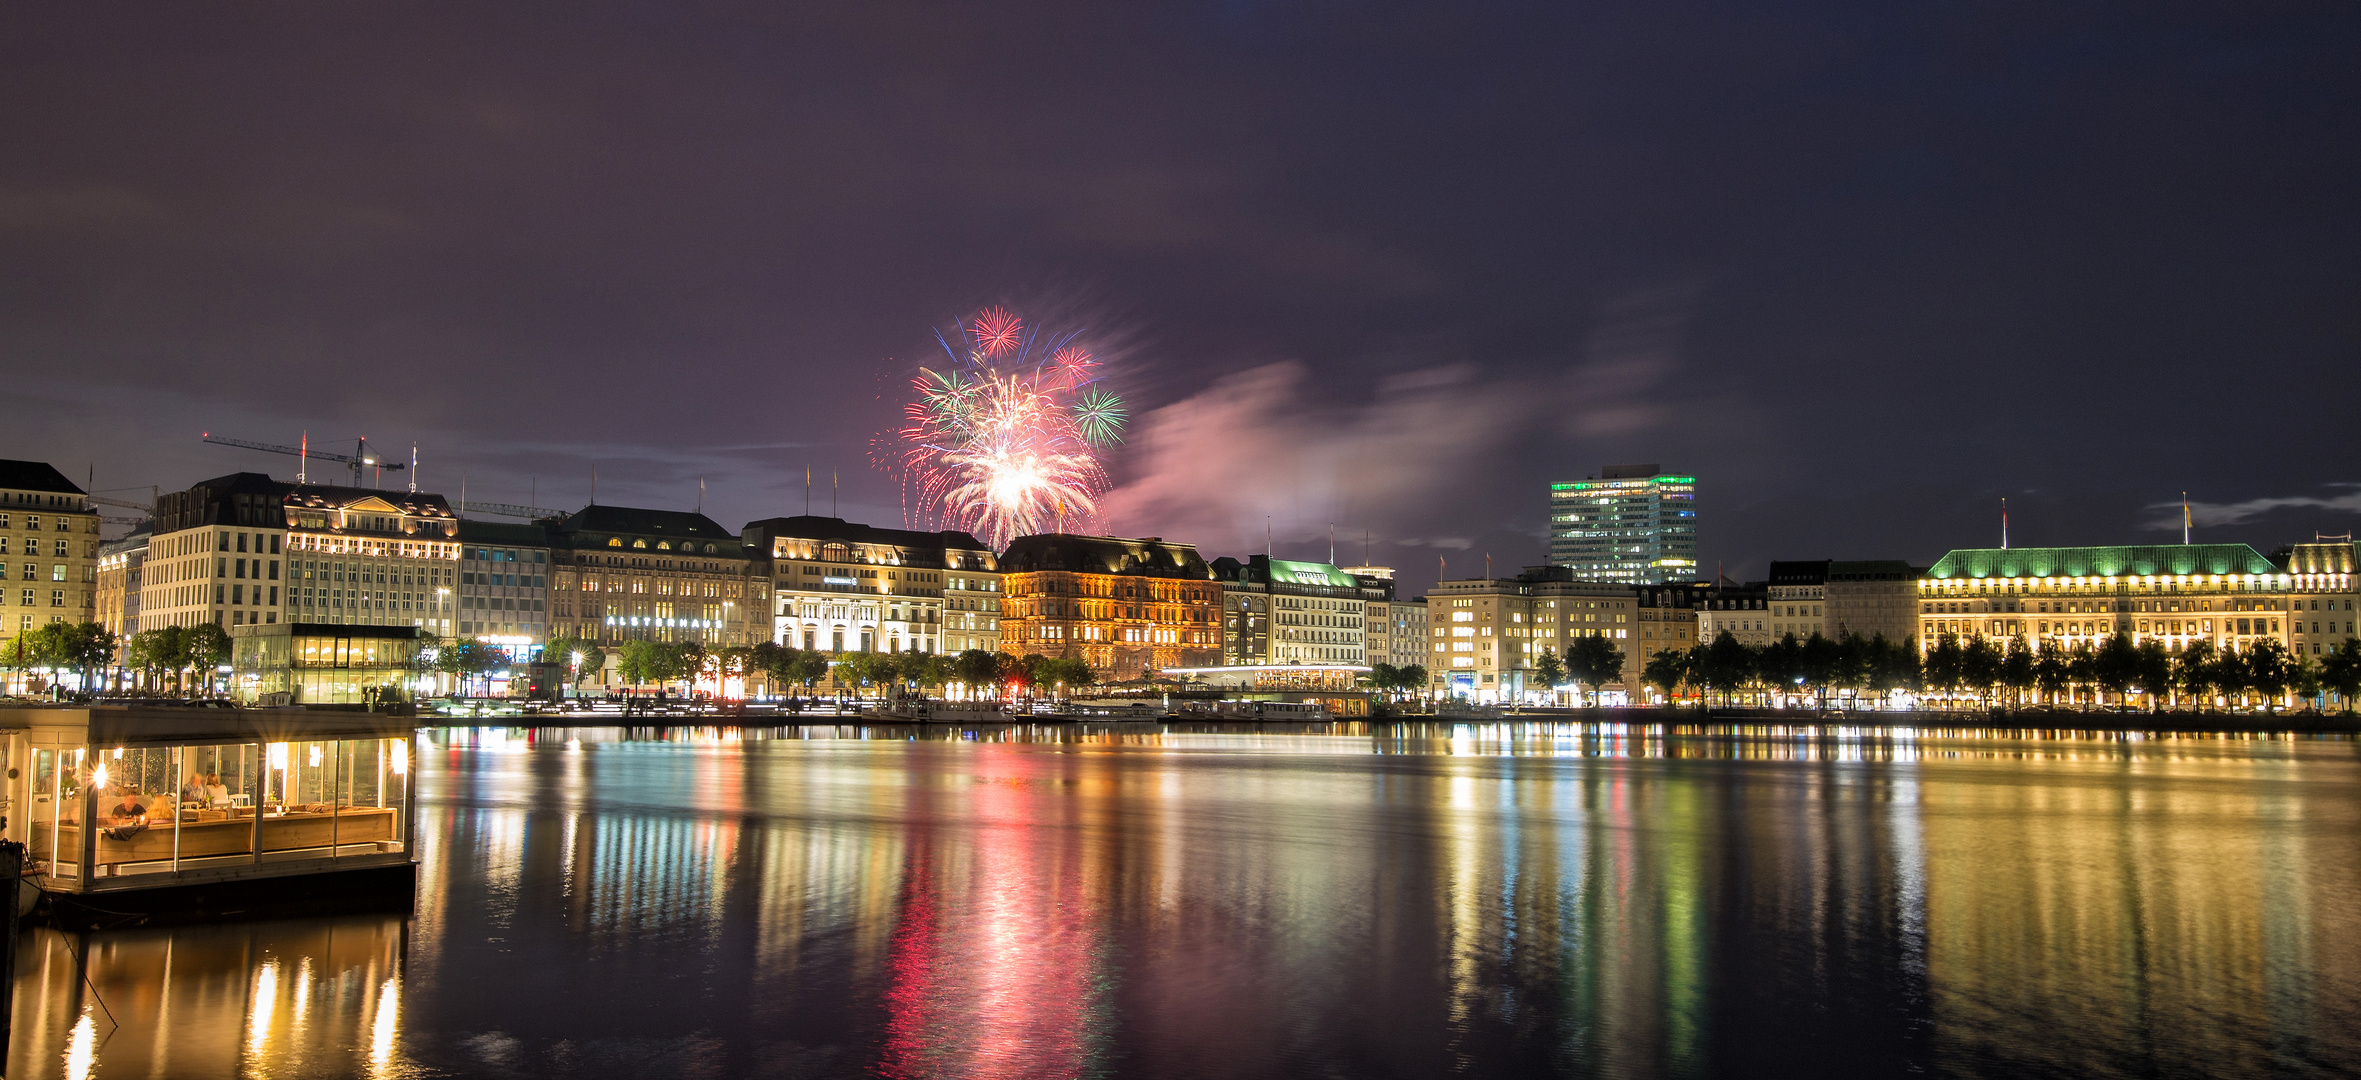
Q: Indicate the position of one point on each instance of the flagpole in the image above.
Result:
(2184, 519)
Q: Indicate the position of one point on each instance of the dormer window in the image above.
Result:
(641, 544)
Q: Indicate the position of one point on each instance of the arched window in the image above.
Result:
(663, 545)
(614, 541)
(639, 543)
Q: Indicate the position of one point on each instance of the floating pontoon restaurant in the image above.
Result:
(185, 797)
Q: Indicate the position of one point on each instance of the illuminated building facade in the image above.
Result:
(1397, 632)
(1870, 597)
(1741, 611)
(1277, 611)
(1834, 598)
(503, 596)
(1667, 618)
(120, 563)
(245, 549)
(1129, 608)
(1633, 524)
(1486, 634)
(49, 539)
(838, 586)
(621, 573)
(2228, 595)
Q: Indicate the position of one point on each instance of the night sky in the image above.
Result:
(1864, 269)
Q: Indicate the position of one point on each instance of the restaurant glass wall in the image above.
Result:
(56, 803)
(335, 798)
(177, 808)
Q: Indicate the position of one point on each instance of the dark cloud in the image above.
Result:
(1864, 268)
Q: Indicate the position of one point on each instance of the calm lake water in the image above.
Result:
(1484, 900)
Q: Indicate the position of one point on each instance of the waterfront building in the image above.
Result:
(1869, 597)
(1633, 524)
(352, 556)
(1797, 597)
(1129, 608)
(503, 595)
(1397, 632)
(1279, 611)
(49, 537)
(120, 562)
(621, 573)
(1667, 617)
(2322, 608)
(308, 663)
(839, 586)
(1837, 597)
(1741, 611)
(2227, 595)
(1487, 634)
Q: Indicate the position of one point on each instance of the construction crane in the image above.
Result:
(514, 510)
(360, 459)
(142, 507)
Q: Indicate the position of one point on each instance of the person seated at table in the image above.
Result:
(193, 791)
(217, 797)
(127, 818)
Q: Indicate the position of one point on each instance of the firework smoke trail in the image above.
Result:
(1004, 440)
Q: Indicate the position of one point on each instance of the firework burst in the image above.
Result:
(1003, 440)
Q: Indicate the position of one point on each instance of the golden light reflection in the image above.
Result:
(80, 1053)
(385, 1008)
(265, 997)
(270, 999)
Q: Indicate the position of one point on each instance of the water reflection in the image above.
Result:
(263, 999)
(1413, 900)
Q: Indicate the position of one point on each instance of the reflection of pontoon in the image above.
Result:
(1255, 710)
(922, 711)
(190, 799)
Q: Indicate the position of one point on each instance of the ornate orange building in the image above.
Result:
(1127, 607)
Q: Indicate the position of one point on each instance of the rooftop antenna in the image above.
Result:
(594, 485)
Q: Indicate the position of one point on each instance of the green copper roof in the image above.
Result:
(1289, 572)
(2102, 561)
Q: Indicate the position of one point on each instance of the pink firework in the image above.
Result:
(1003, 441)
(996, 330)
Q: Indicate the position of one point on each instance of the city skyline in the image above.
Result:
(1874, 272)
